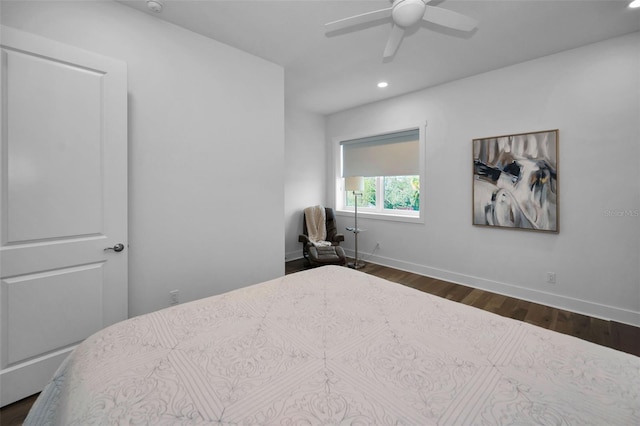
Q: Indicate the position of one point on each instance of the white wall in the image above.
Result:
(592, 95)
(305, 172)
(206, 138)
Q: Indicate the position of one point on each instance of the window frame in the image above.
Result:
(378, 213)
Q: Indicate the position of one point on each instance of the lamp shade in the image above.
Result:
(354, 183)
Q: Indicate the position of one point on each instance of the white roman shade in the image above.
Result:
(392, 154)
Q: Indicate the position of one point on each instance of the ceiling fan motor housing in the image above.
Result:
(405, 13)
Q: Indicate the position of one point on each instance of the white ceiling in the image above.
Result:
(326, 74)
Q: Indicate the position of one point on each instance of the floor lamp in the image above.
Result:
(355, 184)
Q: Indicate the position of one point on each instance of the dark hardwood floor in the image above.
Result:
(612, 334)
(14, 414)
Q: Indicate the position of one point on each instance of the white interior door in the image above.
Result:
(63, 187)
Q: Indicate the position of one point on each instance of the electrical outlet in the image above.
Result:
(551, 277)
(174, 297)
(378, 246)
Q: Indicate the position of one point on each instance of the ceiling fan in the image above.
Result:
(406, 13)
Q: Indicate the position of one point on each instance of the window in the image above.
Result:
(390, 164)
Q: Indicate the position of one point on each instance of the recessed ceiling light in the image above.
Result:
(384, 84)
(634, 4)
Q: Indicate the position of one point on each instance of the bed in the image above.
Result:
(336, 346)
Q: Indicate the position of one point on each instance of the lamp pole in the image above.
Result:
(355, 195)
(356, 185)
(356, 231)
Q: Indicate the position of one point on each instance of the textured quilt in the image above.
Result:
(336, 346)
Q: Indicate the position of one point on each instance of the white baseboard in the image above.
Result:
(584, 307)
(293, 255)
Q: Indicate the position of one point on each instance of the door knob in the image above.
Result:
(117, 248)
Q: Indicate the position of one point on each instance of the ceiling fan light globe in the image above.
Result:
(154, 5)
(407, 12)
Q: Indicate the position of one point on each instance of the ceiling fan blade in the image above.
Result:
(358, 19)
(449, 18)
(395, 38)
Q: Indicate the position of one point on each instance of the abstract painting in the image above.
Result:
(515, 181)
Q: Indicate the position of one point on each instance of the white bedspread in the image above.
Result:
(336, 346)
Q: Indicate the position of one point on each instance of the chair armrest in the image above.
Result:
(303, 239)
(338, 237)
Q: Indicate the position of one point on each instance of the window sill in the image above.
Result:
(381, 216)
